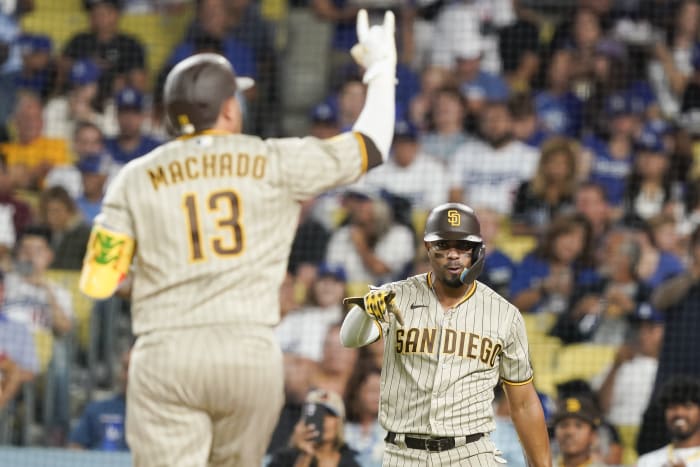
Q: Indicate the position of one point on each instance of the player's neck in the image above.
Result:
(450, 296)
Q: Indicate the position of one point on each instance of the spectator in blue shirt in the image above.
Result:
(498, 266)
(94, 171)
(38, 70)
(477, 86)
(612, 159)
(131, 142)
(101, 426)
(546, 278)
(558, 109)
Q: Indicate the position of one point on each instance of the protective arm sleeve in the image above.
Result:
(107, 261)
(359, 329)
(376, 119)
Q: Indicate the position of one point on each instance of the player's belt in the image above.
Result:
(434, 444)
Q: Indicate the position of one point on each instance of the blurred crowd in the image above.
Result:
(572, 129)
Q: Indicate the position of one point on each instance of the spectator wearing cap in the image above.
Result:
(624, 388)
(679, 401)
(575, 429)
(94, 171)
(78, 104)
(476, 85)
(38, 68)
(648, 188)
(488, 171)
(311, 445)
(301, 333)
(559, 110)
(324, 121)
(410, 172)
(120, 57)
(608, 159)
(10, 52)
(131, 142)
(30, 155)
(371, 246)
(445, 131)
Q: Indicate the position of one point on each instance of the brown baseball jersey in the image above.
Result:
(441, 366)
(214, 217)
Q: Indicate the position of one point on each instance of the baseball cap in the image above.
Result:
(405, 129)
(329, 400)
(84, 72)
(95, 164)
(650, 141)
(335, 271)
(362, 191)
(31, 43)
(468, 49)
(618, 104)
(645, 312)
(90, 4)
(582, 408)
(129, 99)
(324, 113)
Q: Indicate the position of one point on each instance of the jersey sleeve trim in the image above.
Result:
(518, 383)
(363, 150)
(369, 154)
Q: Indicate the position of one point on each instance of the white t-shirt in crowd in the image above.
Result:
(423, 183)
(490, 176)
(664, 456)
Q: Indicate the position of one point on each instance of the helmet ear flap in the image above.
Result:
(471, 273)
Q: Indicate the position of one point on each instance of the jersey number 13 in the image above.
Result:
(226, 208)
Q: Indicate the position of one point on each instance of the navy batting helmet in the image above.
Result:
(196, 88)
(456, 221)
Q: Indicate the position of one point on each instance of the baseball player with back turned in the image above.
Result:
(449, 340)
(207, 223)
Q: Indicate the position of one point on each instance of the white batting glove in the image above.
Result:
(376, 47)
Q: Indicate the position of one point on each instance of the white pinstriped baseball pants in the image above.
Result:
(203, 396)
(477, 454)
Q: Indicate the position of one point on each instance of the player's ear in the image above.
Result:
(231, 114)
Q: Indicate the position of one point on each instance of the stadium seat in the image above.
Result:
(60, 25)
(582, 361)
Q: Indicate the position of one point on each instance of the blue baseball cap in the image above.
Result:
(95, 164)
(405, 129)
(645, 312)
(650, 141)
(31, 43)
(324, 113)
(620, 103)
(335, 271)
(84, 72)
(129, 98)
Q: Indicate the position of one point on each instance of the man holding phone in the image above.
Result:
(318, 437)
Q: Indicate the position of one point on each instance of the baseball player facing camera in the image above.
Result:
(204, 224)
(449, 340)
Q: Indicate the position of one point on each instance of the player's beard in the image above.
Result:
(682, 431)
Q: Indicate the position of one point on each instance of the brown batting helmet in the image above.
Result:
(456, 221)
(196, 88)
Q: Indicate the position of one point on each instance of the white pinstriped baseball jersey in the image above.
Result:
(214, 217)
(441, 366)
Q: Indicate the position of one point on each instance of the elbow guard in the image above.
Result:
(106, 262)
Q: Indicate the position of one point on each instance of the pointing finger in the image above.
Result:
(389, 22)
(362, 25)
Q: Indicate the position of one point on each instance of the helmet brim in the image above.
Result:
(243, 83)
(434, 237)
